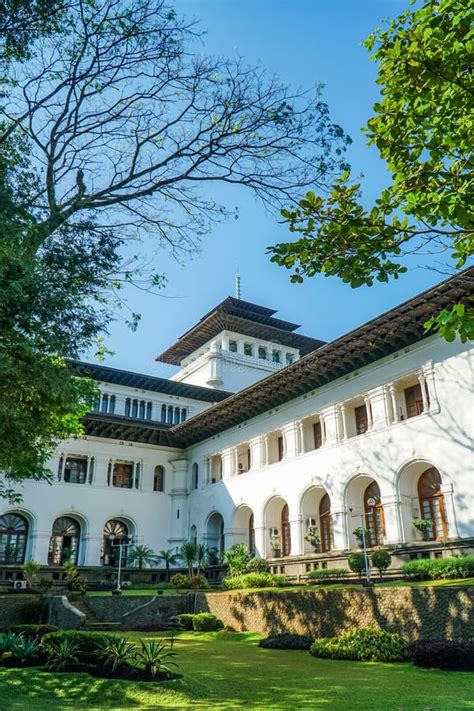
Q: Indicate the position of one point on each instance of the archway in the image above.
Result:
(277, 525)
(317, 520)
(116, 538)
(244, 527)
(13, 538)
(215, 537)
(421, 497)
(64, 541)
(365, 509)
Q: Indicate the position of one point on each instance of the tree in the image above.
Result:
(112, 125)
(169, 558)
(188, 555)
(357, 563)
(422, 127)
(142, 555)
(381, 560)
(202, 554)
(236, 558)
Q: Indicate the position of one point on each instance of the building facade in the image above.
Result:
(267, 437)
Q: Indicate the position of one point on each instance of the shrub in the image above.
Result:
(116, 653)
(357, 563)
(7, 642)
(255, 580)
(186, 621)
(33, 631)
(160, 586)
(75, 582)
(257, 565)
(368, 644)
(198, 582)
(236, 557)
(443, 654)
(88, 643)
(381, 560)
(439, 568)
(205, 622)
(155, 657)
(287, 641)
(24, 650)
(180, 581)
(30, 570)
(62, 653)
(324, 574)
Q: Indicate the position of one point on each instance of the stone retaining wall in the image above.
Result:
(414, 612)
(19, 609)
(136, 610)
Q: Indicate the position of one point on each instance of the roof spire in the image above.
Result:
(237, 285)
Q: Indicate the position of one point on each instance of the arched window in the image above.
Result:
(285, 532)
(195, 476)
(13, 538)
(159, 479)
(128, 404)
(251, 536)
(325, 523)
(432, 503)
(116, 534)
(64, 541)
(374, 516)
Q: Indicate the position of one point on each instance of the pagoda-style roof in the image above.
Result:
(240, 317)
(396, 329)
(141, 381)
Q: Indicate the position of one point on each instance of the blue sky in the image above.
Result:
(304, 42)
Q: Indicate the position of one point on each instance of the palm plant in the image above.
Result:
(188, 554)
(61, 654)
(117, 652)
(201, 557)
(169, 558)
(155, 657)
(143, 555)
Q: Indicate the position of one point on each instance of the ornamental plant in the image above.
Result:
(365, 645)
(236, 558)
(357, 563)
(421, 524)
(381, 560)
(312, 536)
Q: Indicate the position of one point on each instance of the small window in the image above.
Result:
(248, 349)
(159, 479)
(183, 414)
(75, 470)
(233, 346)
(163, 413)
(176, 415)
(135, 408)
(318, 435)
(149, 410)
(280, 448)
(128, 405)
(142, 409)
(112, 404)
(362, 422)
(122, 477)
(276, 356)
(195, 476)
(290, 358)
(170, 414)
(414, 400)
(262, 353)
(105, 403)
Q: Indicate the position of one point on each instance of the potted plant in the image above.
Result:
(424, 526)
(275, 545)
(313, 538)
(361, 533)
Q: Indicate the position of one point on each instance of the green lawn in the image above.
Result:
(316, 586)
(228, 670)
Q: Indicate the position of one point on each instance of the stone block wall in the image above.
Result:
(437, 613)
(19, 610)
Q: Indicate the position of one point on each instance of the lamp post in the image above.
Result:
(364, 544)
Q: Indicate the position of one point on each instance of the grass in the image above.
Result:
(314, 586)
(228, 670)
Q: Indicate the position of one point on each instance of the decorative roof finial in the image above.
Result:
(237, 286)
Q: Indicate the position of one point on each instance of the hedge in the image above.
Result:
(325, 574)
(287, 641)
(255, 580)
(443, 654)
(439, 568)
(367, 644)
(186, 620)
(206, 622)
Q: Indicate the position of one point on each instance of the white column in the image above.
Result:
(377, 403)
(451, 519)
(296, 532)
(330, 417)
(228, 463)
(40, 546)
(290, 433)
(257, 453)
(394, 402)
(93, 544)
(260, 539)
(421, 380)
(267, 449)
(300, 437)
(342, 422)
(393, 534)
(339, 527)
(430, 382)
(179, 502)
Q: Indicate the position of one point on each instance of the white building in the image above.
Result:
(264, 434)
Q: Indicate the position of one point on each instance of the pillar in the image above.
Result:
(296, 532)
(290, 434)
(340, 529)
(378, 408)
(451, 520)
(228, 463)
(430, 383)
(179, 502)
(330, 418)
(93, 544)
(393, 533)
(395, 415)
(257, 453)
(40, 546)
(260, 539)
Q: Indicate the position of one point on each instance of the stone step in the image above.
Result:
(102, 626)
